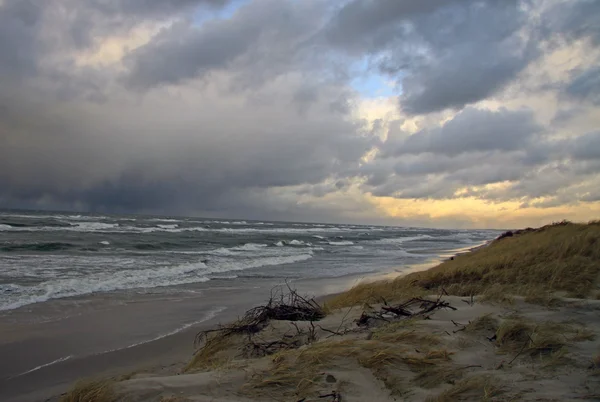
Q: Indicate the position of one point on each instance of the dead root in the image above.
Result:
(285, 304)
(413, 308)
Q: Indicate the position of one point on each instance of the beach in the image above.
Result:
(41, 359)
(95, 295)
(515, 320)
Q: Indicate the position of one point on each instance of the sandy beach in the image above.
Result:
(515, 320)
(483, 325)
(113, 339)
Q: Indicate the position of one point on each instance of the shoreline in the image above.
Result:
(167, 352)
(486, 327)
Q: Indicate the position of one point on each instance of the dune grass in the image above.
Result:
(475, 388)
(91, 391)
(297, 372)
(215, 352)
(546, 341)
(561, 257)
(485, 323)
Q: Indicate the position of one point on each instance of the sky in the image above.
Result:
(435, 113)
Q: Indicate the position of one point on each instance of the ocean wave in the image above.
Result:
(104, 242)
(45, 246)
(297, 243)
(164, 226)
(400, 240)
(224, 277)
(341, 243)
(93, 226)
(15, 296)
(252, 247)
(5, 227)
(101, 227)
(105, 282)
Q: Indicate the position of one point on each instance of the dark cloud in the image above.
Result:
(150, 7)
(586, 146)
(472, 130)
(19, 41)
(572, 20)
(445, 54)
(261, 41)
(585, 86)
(255, 115)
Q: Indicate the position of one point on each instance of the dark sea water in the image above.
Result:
(46, 256)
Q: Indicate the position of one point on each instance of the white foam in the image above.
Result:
(110, 281)
(101, 227)
(240, 265)
(104, 242)
(101, 281)
(163, 226)
(5, 227)
(400, 240)
(93, 226)
(341, 243)
(319, 237)
(299, 243)
(62, 359)
(250, 247)
(294, 242)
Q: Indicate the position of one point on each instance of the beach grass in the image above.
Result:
(91, 391)
(475, 388)
(296, 372)
(561, 257)
(215, 352)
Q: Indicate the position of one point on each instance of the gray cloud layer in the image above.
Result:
(249, 114)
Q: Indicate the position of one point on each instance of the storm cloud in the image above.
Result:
(298, 110)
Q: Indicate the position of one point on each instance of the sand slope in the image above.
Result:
(450, 356)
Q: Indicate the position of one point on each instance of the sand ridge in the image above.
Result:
(451, 355)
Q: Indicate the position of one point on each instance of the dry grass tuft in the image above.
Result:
(297, 372)
(373, 292)
(560, 257)
(583, 334)
(485, 323)
(91, 391)
(481, 388)
(441, 354)
(512, 334)
(437, 375)
(497, 293)
(543, 298)
(595, 365)
(173, 399)
(546, 340)
(413, 337)
(215, 353)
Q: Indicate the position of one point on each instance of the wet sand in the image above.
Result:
(45, 347)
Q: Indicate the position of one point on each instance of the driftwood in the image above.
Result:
(415, 307)
(282, 305)
(337, 397)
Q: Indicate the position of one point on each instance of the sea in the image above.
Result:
(46, 256)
